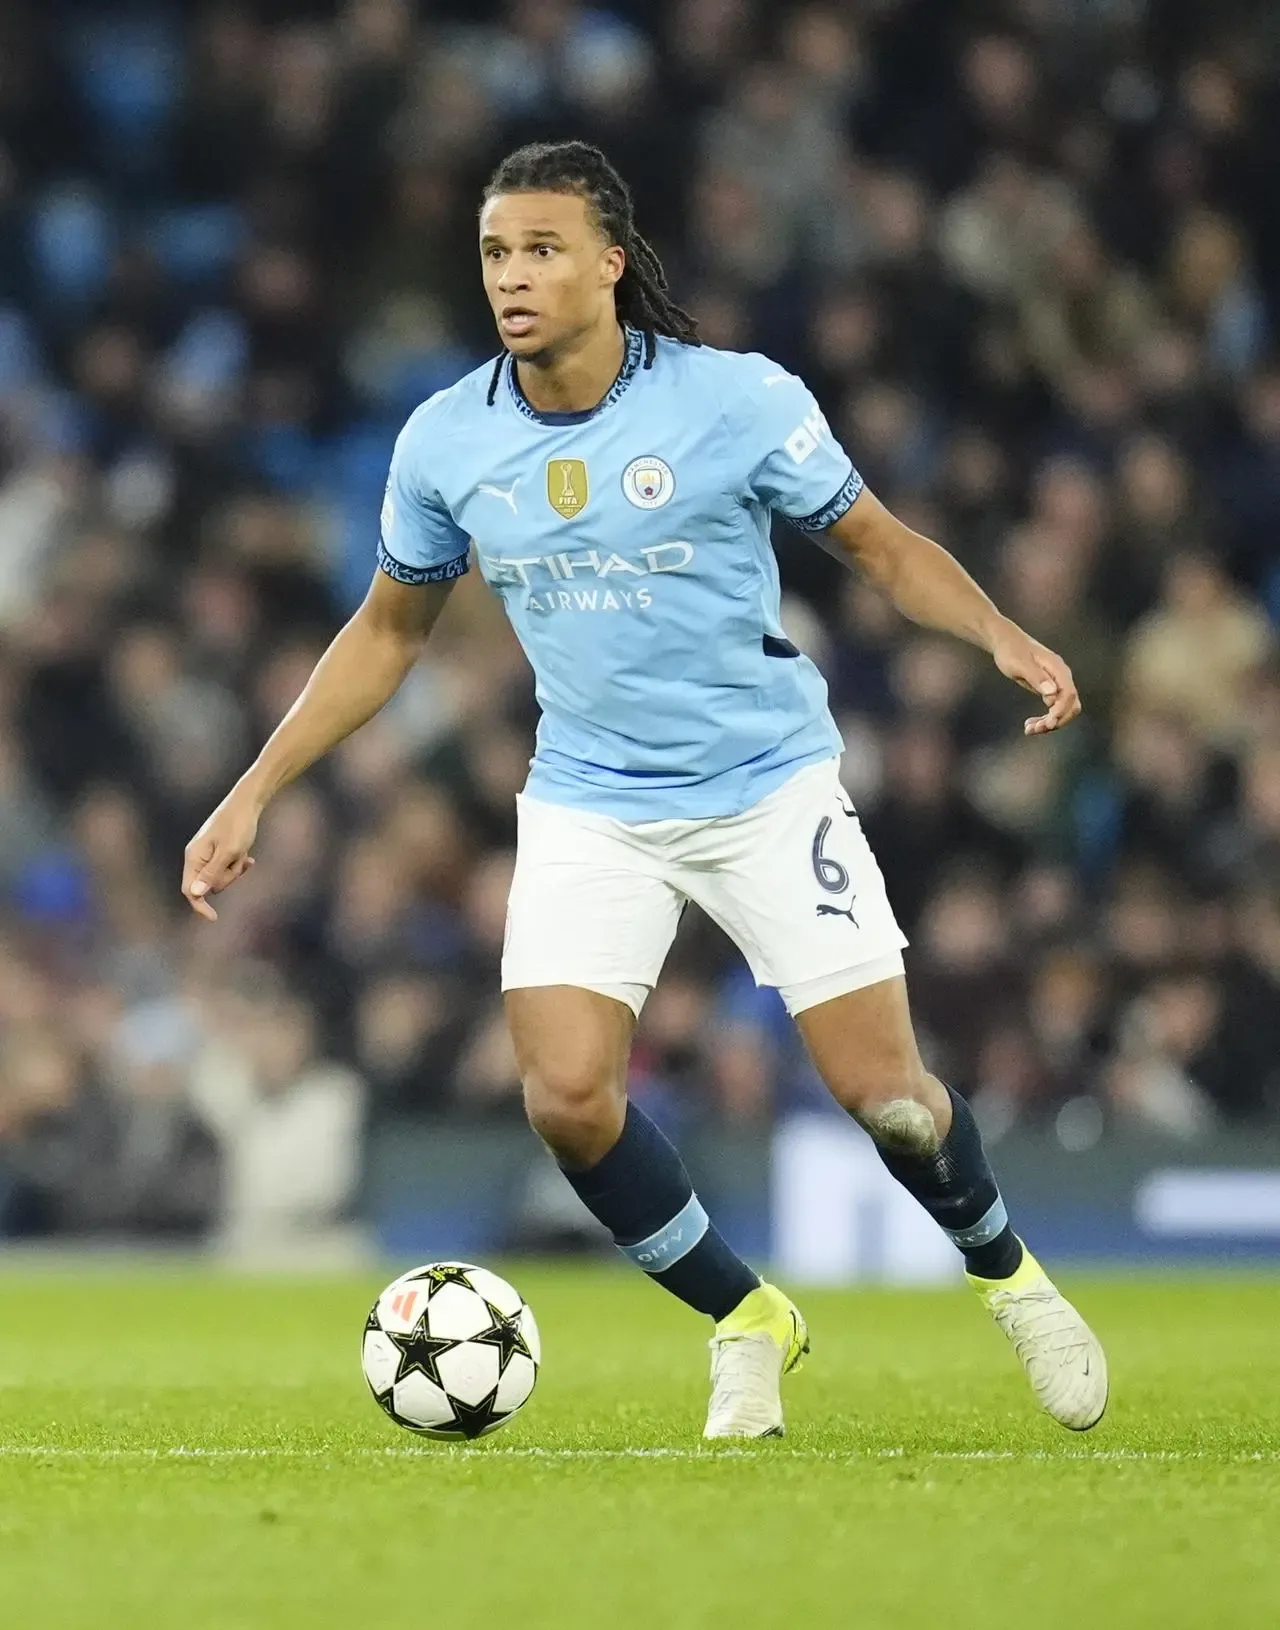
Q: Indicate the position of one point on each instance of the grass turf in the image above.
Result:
(197, 1449)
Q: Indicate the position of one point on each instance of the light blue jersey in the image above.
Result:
(630, 546)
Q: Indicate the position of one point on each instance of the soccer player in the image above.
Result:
(616, 480)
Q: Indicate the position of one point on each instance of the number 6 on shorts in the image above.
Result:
(830, 873)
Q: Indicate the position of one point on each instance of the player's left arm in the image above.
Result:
(931, 587)
(801, 471)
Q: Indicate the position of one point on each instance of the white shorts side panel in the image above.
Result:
(588, 906)
(794, 883)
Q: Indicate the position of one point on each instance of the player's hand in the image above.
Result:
(219, 852)
(1038, 669)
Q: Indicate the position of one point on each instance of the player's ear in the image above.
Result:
(612, 265)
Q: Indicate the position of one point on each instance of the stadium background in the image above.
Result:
(1028, 256)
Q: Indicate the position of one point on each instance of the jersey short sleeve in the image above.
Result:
(420, 541)
(797, 467)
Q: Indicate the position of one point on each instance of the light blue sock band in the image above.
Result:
(993, 1222)
(672, 1241)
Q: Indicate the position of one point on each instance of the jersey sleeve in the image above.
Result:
(797, 467)
(420, 541)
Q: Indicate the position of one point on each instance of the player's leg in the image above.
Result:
(794, 882)
(864, 1047)
(590, 920)
(572, 1046)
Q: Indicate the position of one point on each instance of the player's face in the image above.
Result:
(548, 272)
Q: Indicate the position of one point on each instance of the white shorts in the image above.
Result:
(792, 881)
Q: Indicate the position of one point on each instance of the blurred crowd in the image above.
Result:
(1028, 255)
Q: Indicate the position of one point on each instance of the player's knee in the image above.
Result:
(904, 1126)
(893, 1104)
(576, 1108)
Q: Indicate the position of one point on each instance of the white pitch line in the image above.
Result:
(30, 1451)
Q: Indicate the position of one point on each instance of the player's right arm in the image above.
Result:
(360, 672)
(421, 555)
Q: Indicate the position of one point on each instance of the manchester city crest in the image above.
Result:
(648, 482)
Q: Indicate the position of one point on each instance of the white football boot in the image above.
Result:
(1063, 1358)
(763, 1339)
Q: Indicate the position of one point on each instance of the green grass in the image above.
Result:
(198, 1450)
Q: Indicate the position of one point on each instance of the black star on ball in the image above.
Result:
(504, 1334)
(473, 1419)
(441, 1274)
(419, 1351)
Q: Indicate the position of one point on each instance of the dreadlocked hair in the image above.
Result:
(641, 292)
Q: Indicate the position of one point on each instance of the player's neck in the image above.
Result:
(578, 378)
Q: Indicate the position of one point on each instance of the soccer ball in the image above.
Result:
(451, 1350)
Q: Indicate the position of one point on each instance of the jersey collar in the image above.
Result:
(632, 358)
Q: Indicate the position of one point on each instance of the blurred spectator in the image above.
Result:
(1246, 845)
(1175, 787)
(966, 979)
(1157, 517)
(1028, 1068)
(126, 1157)
(1041, 583)
(1166, 1039)
(1197, 650)
(407, 1033)
(288, 1121)
(922, 821)
(1249, 485)
(1083, 312)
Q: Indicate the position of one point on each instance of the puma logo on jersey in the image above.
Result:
(825, 910)
(507, 494)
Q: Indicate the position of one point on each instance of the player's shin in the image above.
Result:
(642, 1194)
(954, 1183)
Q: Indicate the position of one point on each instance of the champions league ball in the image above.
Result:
(451, 1350)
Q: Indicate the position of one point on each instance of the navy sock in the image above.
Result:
(957, 1189)
(641, 1192)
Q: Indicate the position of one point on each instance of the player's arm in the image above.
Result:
(359, 673)
(931, 587)
(801, 471)
(422, 551)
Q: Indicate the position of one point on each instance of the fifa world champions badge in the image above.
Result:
(567, 486)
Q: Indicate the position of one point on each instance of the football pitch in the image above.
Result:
(192, 1448)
